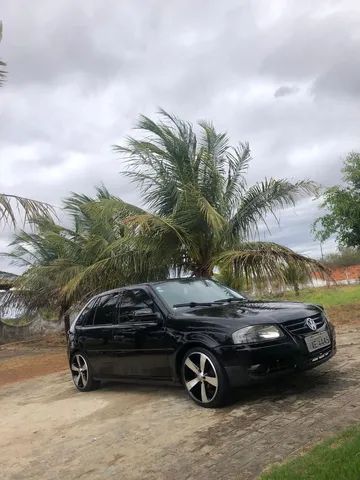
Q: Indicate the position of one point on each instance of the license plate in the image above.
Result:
(317, 340)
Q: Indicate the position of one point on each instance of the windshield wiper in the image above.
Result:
(223, 300)
(193, 304)
(208, 304)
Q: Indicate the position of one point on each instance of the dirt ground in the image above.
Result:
(25, 360)
(50, 431)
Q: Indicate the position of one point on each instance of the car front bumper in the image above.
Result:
(246, 364)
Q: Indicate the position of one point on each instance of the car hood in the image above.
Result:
(251, 312)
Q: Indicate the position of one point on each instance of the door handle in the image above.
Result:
(119, 337)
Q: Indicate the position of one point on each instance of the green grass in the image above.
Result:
(329, 297)
(335, 459)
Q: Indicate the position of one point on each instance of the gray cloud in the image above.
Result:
(285, 90)
(310, 39)
(342, 79)
(80, 74)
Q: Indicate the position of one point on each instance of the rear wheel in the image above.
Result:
(204, 378)
(81, 373)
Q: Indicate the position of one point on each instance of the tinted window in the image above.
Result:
(190, 290)
(133, 300)
(106, 310)
(87, 315)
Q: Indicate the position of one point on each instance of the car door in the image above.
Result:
(142, 345)
(97, 336)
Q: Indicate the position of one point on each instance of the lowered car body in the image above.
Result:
(197, 332)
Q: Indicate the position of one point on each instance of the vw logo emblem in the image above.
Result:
(309, 322)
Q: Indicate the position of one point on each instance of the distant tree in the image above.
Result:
(343, 205)
(343, 258)
(10, 204)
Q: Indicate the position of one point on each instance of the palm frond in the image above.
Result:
(213, 218)
(265, 198)
(238, 159)
(164, 163)
(150, 224)
(27, 208)
(214, 147)
(256, 261)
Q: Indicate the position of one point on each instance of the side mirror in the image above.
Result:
(147, 314)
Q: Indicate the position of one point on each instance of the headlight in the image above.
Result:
(256, 334)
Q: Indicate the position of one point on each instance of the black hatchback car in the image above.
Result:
(197, 332)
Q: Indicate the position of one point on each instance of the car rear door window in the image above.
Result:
(106, 310)
(87, 315)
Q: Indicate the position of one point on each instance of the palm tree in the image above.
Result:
(98, 251)
(195, 186)
(9, 204)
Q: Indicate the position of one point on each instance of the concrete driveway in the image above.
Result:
(51, 431)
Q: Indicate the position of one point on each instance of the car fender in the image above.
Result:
(191, 340)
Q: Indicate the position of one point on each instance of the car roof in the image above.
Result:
(149, 284)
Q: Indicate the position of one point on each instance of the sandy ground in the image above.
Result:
(25, 360)
(50, 431)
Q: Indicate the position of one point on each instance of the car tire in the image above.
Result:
(204, 378)
(81, 372)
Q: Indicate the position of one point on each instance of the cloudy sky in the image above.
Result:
(283, 75)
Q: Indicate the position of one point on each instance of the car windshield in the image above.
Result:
(190, 292)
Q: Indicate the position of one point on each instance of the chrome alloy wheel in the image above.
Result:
(79, 371)
(200, 377)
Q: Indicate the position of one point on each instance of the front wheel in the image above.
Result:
(204, 378)
(81, 373)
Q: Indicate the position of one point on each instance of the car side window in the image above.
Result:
(132, 301)
(87, 315)
(105, 313)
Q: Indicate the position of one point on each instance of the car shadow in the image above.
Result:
(302, 385)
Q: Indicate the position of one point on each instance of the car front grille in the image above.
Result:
(299, 327)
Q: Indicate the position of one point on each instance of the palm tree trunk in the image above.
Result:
(204, 271)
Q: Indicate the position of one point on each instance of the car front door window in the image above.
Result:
(133, 302)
